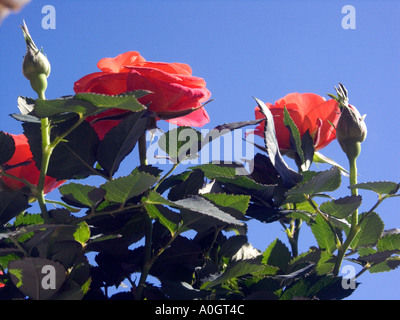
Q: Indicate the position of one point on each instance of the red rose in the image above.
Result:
(172, 85)
(28, 172)
(309, 111)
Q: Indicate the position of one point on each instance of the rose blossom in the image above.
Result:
(310, 112)
(174, 90)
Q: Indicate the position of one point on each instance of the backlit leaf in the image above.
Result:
(380, 187)
(122, 189)
(371, 228)
(341, 208)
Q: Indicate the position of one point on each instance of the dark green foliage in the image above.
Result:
(187, 230)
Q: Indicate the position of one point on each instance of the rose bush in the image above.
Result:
(27, 171)
(127, 228)
(310, 112)
(175, 93)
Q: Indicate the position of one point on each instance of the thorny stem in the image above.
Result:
(47, 150)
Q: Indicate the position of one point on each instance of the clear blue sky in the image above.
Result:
(242, 48)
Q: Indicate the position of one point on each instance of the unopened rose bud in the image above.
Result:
(351, 130)
(35, 67)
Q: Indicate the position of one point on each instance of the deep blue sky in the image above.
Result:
(242, 48)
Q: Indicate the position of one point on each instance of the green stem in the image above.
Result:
(19, 246)
(46, 153)
(47, 150)
(148, 261)
(166, 175)
(355, 227)
(143, 150)
(354, 191)
(151, 258)
(295, 240)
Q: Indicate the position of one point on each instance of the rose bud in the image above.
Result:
(35, 67)
(351, 130)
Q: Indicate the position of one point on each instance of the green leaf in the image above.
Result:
(341, 208)
(390, 264)
(205, 208)
(73, 157)
(307, 145)
(290, 177)
(180, 143)
(233, 201)
(82, 233)
(381, 261)
(189, 187)
(389, 242)
(120, 141)
(323, 233)
(168, 218)
(49, 108)
(311, 256)
(380, 187)
(326, 263)
(323, 181)
(37, 278)
(7, 147)
(231, 246)
(172, 181)
(277, 254)
(28, 219)
(153, 197)
(320, 158)
(125, 101)
(88, 104)
(212, 171)
(122, 189)
(371, 228)
(286, 279)
(235, 270)
(194, 209)
(81, 195)
(317, 287)
(295, 133)
(245, 185)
